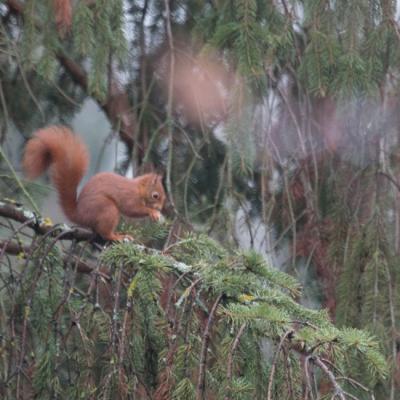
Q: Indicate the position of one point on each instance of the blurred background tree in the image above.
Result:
(275, 122)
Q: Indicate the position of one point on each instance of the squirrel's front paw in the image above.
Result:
(155, 215)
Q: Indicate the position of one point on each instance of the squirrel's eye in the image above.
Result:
(155, 195)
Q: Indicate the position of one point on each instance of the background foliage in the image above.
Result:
(276, 125)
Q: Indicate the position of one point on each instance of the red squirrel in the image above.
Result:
(104, 197)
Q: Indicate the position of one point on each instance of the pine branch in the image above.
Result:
(40, 225)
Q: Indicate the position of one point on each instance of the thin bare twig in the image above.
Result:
(275, 360)
(170, 100)
(201, 381)
(339, 392)
(230, 361)
(16, 178)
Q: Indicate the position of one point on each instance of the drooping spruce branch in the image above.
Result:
(215, 291)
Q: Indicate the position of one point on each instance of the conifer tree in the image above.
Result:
(291, 141)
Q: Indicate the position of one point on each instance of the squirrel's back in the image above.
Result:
(57, 147)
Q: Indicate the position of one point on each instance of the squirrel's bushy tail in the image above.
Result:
(57, 147)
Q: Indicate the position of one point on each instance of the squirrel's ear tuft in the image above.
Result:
(157, 177)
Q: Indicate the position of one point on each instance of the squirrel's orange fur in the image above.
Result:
(104, 197)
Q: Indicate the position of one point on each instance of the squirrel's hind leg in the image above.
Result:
(108, 220)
